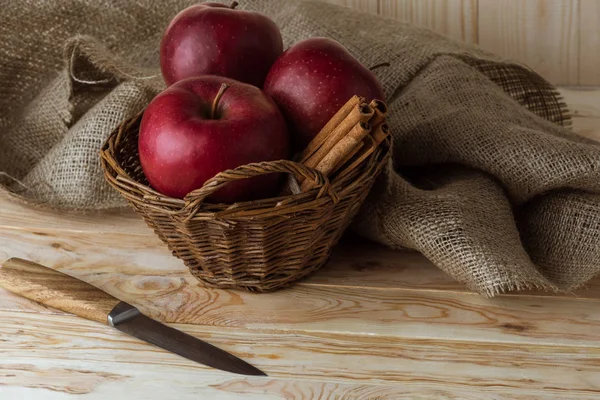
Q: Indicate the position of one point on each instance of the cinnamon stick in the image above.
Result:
(361, 113)
(381, 111)
(340, 150)
(330, 126)
(380, 133)
(376, 137)
(351, 154)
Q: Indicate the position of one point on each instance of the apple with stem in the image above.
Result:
(201, 126)
(213, 39)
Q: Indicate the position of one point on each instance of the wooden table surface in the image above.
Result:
(372, 324)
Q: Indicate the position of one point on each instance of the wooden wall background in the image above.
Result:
(560, 39)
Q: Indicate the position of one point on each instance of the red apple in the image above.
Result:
(312, 80)
(212, 39)
(199, 127)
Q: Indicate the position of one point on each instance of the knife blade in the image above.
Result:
(58, 290)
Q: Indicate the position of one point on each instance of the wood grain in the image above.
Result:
(589, 46)
(90, 256)
(54, 289)
(330, 363)
(587, 127)
(174, 296)
(585, 106)
(352, 265)
(454, 18)
(558, 38)
(358, 264)
(541, 33)
(15, 215)
(11, 302)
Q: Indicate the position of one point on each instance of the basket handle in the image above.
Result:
(195, 198)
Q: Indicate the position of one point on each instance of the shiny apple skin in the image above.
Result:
(180, 147)
(312, 80)
(210, 39)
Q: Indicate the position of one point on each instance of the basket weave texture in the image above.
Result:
(258, 245)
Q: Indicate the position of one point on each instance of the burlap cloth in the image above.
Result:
(486, 181)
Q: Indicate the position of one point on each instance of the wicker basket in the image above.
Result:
(259, 245)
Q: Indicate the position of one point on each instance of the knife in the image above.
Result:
(55, 289)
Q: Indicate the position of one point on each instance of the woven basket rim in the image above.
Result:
(193, 205)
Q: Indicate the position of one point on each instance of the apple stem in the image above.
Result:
(234, 5)
(383, 64)
(215, 104)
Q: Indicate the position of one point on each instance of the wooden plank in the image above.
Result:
(583, 101)
(585, 106)
(152, 279)
(354, 263)
(540, 33)
(588, 127)
(12, 302)
(16, 215)
(96, 253)
(589, 33)
(357, 263)
(68, 354)
(370, 6)
(454, 18)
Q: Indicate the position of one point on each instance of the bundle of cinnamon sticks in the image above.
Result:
(349, 137)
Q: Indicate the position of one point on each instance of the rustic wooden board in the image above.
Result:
(70, 355)
(585, 107)
(541, 33)
(373, 324)
(589, 47)
(558, 38)
(454, 18)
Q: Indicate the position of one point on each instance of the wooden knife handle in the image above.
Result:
(55, 289)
